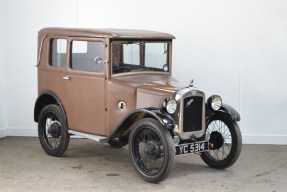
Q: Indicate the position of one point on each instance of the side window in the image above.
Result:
(86, 56)
(58, 52)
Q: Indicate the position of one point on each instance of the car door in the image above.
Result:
(86, 86)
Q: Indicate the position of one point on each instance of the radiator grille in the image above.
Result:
(192, 114)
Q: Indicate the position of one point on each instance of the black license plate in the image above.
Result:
(186, 148)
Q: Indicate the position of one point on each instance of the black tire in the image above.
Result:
(225, 140)
(118, 142)
(151, 150)
(52, 130)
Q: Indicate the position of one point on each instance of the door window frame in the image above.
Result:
(70, 70)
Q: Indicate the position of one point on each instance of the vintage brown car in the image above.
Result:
(115, 86)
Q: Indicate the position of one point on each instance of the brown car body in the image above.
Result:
(94, 109)
(103, 83)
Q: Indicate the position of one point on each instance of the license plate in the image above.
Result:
(186, 148)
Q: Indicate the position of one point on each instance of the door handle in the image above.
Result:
(66, 77)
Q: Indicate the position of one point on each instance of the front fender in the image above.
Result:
(230, 111)
(125, 126)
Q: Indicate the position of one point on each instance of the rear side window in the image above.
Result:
(88, 56)
(58, 52)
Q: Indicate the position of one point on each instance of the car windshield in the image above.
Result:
(140, 56)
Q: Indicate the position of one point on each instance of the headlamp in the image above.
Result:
(214, 102)
(169, 105)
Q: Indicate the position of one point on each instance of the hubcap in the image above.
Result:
(152, 150)
(55, 130)
(216, 139)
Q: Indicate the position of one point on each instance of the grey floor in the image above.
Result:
(89, 166)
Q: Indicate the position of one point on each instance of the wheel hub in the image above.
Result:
(55, 130)
(216, 139)
(152, 150)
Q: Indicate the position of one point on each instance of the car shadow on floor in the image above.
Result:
(94, 154)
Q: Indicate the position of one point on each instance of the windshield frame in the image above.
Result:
(169, 58)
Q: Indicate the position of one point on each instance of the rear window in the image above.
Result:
(58, 52)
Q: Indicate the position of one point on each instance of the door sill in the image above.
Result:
(98, 138)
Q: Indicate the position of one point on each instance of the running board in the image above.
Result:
(98, 138)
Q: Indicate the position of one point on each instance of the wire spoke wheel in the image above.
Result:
(225, 142)
(152, 150)
(51, 135)
(149, 151)
(52, 130)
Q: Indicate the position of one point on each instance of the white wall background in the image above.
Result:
(2, 71)
(233, 48)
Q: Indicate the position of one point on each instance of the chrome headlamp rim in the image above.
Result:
(214, 102)
(169, 105)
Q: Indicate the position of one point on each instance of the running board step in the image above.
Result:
(98, 138)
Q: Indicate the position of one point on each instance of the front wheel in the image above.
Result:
(225, 142)
(52, 130)
(151, 150)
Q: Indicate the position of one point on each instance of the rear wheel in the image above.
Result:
(118, 142)
(151, 150)
(225, 142)
(52, 130)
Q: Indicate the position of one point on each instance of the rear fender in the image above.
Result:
(43, 100)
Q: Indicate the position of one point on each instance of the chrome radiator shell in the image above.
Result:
(198, 128)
